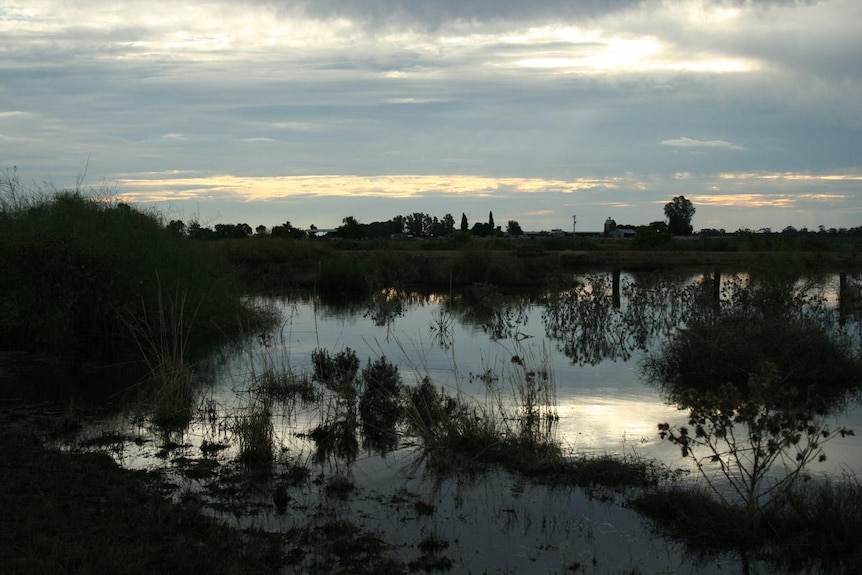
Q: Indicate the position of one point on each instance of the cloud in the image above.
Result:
(151, 187)
(693, 143)
(469, 103)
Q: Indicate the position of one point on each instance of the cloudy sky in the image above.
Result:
(308, 111)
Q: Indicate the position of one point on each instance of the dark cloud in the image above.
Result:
(431, 15)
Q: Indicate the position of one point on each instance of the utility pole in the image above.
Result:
(574, 223)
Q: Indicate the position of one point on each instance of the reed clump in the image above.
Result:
(162, 341)
(256, 436)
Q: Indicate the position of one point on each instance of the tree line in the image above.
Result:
(679, 213)
(416, 224)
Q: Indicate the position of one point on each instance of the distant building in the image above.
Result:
(621, 233)
(610, 225)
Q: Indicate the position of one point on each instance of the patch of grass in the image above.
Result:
(338, 486)
(336, 437)
(818, 527)
(162, 342)
(430, 558)
(457, 434)
(284, 387)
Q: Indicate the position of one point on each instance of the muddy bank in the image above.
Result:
(81, 513)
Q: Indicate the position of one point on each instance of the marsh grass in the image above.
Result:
(329, 544)
(285, 387)
(255, 434)
(162, 342)
(511, 427)
(79, 263)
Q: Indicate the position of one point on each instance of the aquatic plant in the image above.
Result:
(77, 263)
(337, 372)
(256, 435)
(513, 428)
(380, 407)
(162, 342)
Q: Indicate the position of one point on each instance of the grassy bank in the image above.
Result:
(80, 268)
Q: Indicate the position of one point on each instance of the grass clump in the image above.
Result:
(162, 342)
(255, 432)
(332, 545)
(284, 386)
(457, 434)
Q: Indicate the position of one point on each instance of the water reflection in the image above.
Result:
(586, 338)
(605, 317)
(758, 378)
(500, 315)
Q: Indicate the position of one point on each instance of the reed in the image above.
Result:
(161, 336)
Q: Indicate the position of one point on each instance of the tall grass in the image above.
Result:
(162, 341)
(78, 263)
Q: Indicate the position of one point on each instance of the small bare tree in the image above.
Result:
(745, 435)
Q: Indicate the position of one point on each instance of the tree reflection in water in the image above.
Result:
(759, 375)
(500, 315)
(593, 324)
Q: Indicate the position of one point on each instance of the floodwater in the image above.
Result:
(493, 522)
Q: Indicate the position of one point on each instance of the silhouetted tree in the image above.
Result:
(418, 224)
(286, 230)
(465, 227)
(232, 231)
(351, 229)
(177, 227)
(491, 220)
(448, 224)
(679, 213)
(514, 228)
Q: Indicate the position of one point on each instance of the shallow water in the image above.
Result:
(494, 522)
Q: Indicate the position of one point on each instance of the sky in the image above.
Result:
(310, 111)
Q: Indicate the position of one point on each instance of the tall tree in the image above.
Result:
(448, 224)
(491, 220)
(465, 227)
(679, 213)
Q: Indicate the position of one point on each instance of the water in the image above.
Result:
(495, 522)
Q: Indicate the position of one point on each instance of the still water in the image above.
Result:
(494, 522)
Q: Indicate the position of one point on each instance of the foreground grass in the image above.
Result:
(81, 513)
